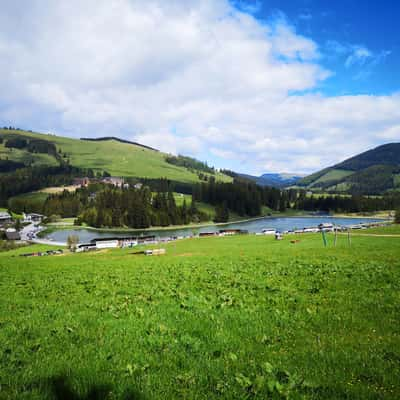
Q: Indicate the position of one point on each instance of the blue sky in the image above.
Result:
(254, 86)
(340, 28)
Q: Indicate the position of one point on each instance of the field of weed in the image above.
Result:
(232, 318)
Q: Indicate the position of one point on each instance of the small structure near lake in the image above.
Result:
(5, 218)
(32, 217)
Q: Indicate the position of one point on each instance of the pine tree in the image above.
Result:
(221, 213)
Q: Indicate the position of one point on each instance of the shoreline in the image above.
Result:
(152, 228)
(51, 228)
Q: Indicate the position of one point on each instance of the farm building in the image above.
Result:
(5, 218)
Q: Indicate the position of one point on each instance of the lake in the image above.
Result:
(254, 226)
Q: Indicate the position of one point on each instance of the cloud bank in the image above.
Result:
(200, 78)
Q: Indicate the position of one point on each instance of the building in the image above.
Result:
(326, 227)
(269, 231)
(12, 234)
(82, 182)
(114, 181)
(107, 244)
(113, 242)
(5, 218)
(85, 247)
(205, 234)
(33, 217)
(230, 232)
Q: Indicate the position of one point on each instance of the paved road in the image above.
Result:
(29, 234)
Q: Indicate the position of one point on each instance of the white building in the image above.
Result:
(107, 244)
(32, 217)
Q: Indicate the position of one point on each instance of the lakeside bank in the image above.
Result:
(252, 226)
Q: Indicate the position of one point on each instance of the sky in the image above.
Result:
(252, 86)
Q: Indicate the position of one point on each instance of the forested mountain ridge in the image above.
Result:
(274, 179)
(372, 172)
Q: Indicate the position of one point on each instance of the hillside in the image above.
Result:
(372, 172)
(116, 156)
(275, 180)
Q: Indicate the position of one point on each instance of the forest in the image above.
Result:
(105, 206)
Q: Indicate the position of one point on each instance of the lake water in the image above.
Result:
(278, 223)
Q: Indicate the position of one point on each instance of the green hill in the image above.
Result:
(118, 157)
(372, 172)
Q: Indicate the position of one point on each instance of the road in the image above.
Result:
(29, 234)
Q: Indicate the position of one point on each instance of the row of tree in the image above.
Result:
(355, 203)
(106, 206)
(189, 163)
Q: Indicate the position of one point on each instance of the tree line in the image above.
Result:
(349, 204)
(190, 163)
(105, 206)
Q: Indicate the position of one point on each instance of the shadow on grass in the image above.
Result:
(59, 388)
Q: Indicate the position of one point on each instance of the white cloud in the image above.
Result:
(200, 78)
(358, 55)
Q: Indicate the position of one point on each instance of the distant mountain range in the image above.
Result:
(372, 172)
(276, 180)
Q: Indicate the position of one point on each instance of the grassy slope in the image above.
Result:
(119, 159)
(359, 171)
(214, 318)
(331, 175)
(26, 157)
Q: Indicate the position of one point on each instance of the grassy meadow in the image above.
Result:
(119, 159)
(230, 318)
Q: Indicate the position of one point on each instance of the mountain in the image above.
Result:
(372, 172)
(275, 180)
(116, 156)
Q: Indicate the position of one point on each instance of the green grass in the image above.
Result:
(393, 229)
(231, 318)
(26, 157)
(30, 202)
(119, 159)
(32, 196)
(332, 175)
